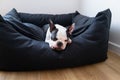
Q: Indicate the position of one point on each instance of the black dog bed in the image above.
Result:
(22, 36)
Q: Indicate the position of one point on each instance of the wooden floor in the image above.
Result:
(108, 70)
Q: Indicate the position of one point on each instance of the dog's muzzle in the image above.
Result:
(59, 44)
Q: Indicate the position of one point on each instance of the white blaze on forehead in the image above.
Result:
(61, 32)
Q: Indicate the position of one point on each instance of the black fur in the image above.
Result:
(54, 34)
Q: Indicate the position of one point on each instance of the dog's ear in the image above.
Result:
(70, 28)
(52, 26)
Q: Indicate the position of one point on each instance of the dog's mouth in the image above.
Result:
(58, 48)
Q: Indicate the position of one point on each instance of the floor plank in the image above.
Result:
(108, 70)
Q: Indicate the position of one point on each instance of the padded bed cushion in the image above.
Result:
(22, 36)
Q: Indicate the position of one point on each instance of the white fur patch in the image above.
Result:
(61, 37)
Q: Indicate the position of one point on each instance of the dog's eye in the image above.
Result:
(55, 39)
(66, 40)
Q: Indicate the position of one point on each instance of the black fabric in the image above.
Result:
(1, 19)
(22, 45)
(42, 19)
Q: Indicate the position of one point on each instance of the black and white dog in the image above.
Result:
(58, 36)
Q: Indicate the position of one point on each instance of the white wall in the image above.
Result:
(40, 6)
(91, 7)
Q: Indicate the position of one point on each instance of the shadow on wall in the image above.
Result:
(115, 34)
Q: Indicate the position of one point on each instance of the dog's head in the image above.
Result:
(60, 36)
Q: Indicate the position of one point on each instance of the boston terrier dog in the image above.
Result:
(58, 36)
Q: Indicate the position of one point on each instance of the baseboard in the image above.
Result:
(113, 47)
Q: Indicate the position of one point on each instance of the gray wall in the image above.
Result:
(40, 6)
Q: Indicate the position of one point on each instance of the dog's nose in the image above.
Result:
(59, 44)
